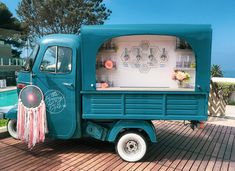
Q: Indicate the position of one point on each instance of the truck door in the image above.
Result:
(54, 73)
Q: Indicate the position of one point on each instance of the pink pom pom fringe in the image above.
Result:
(31, 124)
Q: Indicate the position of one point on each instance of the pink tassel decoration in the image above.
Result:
(31, 124)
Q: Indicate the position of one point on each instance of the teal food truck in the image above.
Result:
(111, 81)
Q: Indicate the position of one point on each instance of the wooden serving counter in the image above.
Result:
(144, 89)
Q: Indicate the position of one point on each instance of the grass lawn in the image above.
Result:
(3, 122)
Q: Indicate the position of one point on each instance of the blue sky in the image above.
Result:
(219, 13)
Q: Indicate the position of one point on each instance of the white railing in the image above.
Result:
(11, 61)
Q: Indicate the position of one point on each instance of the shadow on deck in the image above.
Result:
(178, 148)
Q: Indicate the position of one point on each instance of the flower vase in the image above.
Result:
(180, 84)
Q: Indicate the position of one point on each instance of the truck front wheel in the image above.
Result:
(131, 146)
(11, 127)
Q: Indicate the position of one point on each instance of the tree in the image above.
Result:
(11, 30)
(216, 71)
(61, 16)
(7, 21)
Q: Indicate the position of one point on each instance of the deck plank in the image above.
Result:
(178, 148)
(157, 157)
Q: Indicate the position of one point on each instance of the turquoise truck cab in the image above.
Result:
(81, 78)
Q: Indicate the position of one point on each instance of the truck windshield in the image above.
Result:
(30, 60)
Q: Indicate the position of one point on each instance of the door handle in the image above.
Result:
(68, 85)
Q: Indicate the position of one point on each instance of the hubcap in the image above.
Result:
(131, 146)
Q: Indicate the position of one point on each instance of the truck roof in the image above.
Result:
(160, 28)
(63, 39)
(198, 36)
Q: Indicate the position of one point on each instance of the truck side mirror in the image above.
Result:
(29, 64)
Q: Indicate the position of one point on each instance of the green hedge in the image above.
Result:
(3, 122)
(231, 103)
(226, 89)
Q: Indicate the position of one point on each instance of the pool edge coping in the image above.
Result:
(9, 88)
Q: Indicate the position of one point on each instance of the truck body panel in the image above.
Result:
(139, 106)
(148, 105)
(73, 101)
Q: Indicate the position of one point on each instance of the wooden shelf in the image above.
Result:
(184, 69)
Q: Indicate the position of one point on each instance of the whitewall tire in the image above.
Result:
(131, 146)
(11, 128)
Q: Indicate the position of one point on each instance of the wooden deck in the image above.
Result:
(178, 148)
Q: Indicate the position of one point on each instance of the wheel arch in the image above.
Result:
(12, 113)
(122, 125)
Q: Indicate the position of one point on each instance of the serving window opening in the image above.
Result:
(146, 63)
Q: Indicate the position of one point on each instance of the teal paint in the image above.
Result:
(152, 106)
(146, 126)
(198, 36)
(96, 131)
(12, 113)
(62, 123)
(127, 109)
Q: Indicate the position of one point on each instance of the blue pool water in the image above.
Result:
(8, 98)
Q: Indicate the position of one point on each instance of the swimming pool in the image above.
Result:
(8, 98)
